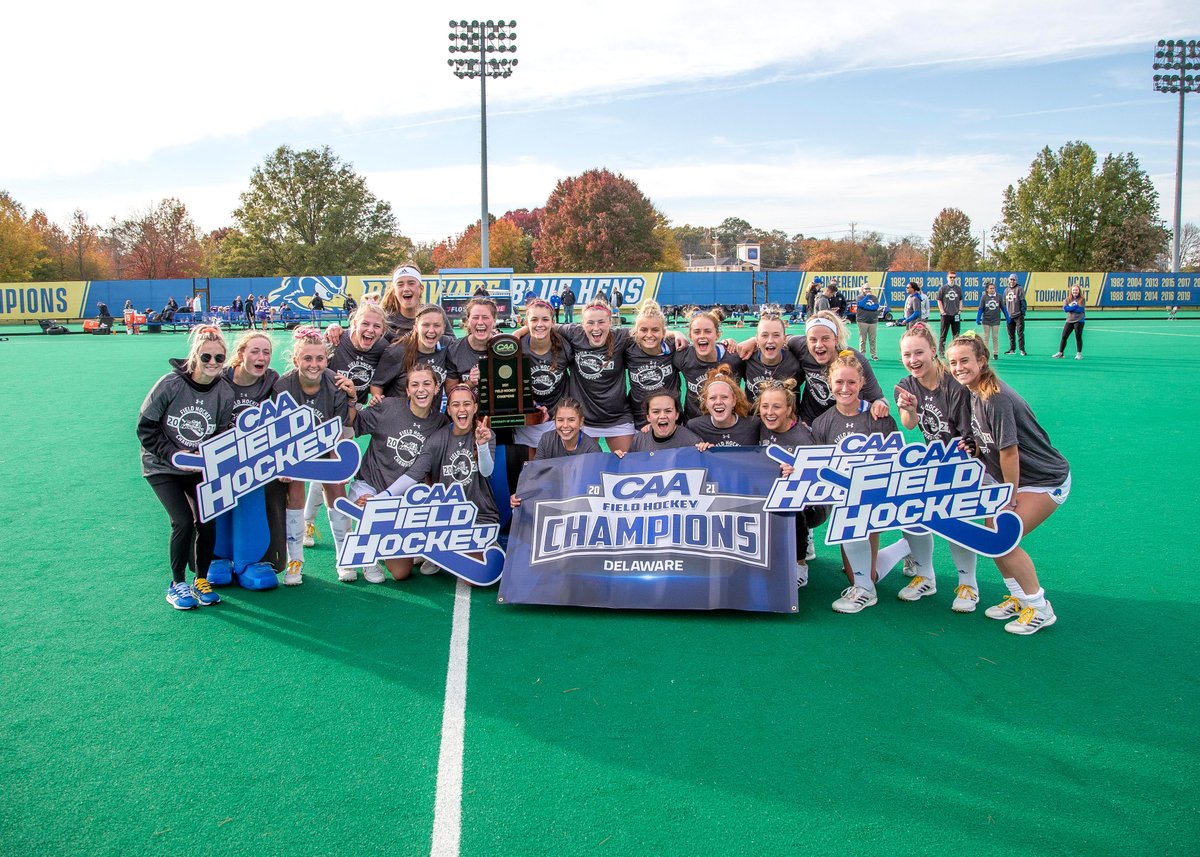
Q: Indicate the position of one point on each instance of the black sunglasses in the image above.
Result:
(208, 358)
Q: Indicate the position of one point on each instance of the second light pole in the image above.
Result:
(479, 38)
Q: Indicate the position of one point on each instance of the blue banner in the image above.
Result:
(676, 530)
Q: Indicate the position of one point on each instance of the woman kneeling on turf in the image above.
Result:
(1014, 449)
(184, 408)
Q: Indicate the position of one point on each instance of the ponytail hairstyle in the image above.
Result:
(599, 303)
(787, 386)
(650, 309)
(199, 336)
(771, 317)
(570, 404)
(243, 342)
(410, 340)
(724, 375)
(989, 383)
(845, 359)
(921, 331)
(828, 319)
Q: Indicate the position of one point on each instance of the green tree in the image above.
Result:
(21, 248)
(774, 248)
(951, 245)
(308, 212)
(598, 221)
(731, 232)
(1064, 215)
(694, 241)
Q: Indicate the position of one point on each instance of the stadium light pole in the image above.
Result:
(1181, 60)
(481, 38)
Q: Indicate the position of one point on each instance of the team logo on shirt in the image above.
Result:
(192, 425)
(593, 364)
(650, 376)
(931, 421)
(436, 522)
(461, 466)
(818, 387)
(406, 446)
(545, 379)
(360, 372)
(983, 438)
(876, 483)
(268, 441)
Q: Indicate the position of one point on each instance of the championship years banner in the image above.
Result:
(678, 529)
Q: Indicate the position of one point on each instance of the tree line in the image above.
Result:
(310, 212)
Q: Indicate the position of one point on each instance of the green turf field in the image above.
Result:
(309, 720)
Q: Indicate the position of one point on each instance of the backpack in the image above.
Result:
(924, 307)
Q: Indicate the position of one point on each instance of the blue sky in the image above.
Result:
(799, 116)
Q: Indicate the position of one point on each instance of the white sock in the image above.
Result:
(1015, 589)
(888, 556)
(859, 556)
(339, 525)
(313, 502)
(295, 534)
(964, 561)
(922, 554)
(1037, 600)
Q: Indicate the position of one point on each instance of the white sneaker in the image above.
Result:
(1031, 620)
(966, 599)
(918, 588)
(910, 566)
(1057, 356)
(855, 599)
(310, 534)
(374, 574)
(1006, 609)
(294, 575)
(1079, 356)
(427, 567)
(810, 551)
(801, 574)
(347, 575)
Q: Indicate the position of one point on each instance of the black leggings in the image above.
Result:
(1078, 325)
(946, 323)
(806, 521)
(191, 541)
(1016, 332)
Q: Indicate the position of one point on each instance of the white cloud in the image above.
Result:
(131, 78)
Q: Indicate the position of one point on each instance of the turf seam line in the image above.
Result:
(447, 805)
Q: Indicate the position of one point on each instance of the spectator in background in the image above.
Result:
(823, 302)
(263, 312)
(317, 308)
(1014, 304)
(568, 303)
(187, 304)
(991, 307)
(810, 297)
(198, 304)
(1073, 306)
(868, 319)
(618, 300)
(912, 305)
(349, 305)
(949, 301)
(556, 305)
(250, 309)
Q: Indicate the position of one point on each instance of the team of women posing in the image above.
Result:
(639, 389)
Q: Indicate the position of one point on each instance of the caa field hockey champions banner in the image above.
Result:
(678, 529)
(79, 299)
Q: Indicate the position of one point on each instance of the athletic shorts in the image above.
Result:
(619, 430)
(530, 435)
(1058, 493)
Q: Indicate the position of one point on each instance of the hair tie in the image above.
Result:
(845, 352)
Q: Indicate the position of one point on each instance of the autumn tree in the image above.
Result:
(598, 221)
(506, 248)
(1189, 248)
(907, 254)
(825, 254)
(53, 261)
(21, 249)
(160, 242)
(307, 212)
(951, 245)
(1065, 215)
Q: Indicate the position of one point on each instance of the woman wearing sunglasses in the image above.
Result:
(184, 408)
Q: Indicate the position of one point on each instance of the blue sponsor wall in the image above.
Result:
(1137, 290)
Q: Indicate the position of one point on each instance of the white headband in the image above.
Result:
(406, 271)
(821, 322)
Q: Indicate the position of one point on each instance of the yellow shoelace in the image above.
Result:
(294, 566)
(202, 585)
(1026, 616)
(1011, 601)
(916, 582)
(966, 592)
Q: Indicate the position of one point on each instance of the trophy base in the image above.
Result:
(499, 421)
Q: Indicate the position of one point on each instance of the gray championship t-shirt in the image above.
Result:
(990, 306)
(397, 438)
(329, 402)
(393, 380)
(950, 299)
(645, 441)
(551, 446)
(357, 364)
(1005, 419)
(254, 394)
(598, 376)
(187, 414)
(744, 432)
(649, 372)
(833, 425)
(450, 459)
(695, 373)
(943, 413)
(755, 371)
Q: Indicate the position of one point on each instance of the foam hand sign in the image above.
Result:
(275, 439)
(434, 522)
(875, 484)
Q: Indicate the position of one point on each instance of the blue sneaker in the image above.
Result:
(203, 592)
(180, 596)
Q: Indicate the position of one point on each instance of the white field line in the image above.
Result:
(447, 806)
